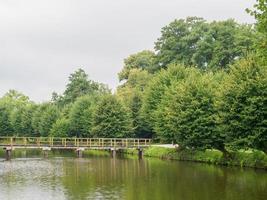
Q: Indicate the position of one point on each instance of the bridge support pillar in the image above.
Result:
(46, 151)
(79, 152)
(140, 153)
(8, 152)
(113, 152)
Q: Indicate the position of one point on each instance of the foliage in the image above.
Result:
(260, 14)
(21, 119)
(81, 116)
(78, 86)
(5, 124)
(143, 60)
(242, 105)
(60, 128)
(157, 88)
(195, 42)
(111, 119)
(43, 119)
(131, 95)
(16, 112)
(249, 158)
(186, 113)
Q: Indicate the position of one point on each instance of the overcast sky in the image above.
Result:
(43, 41)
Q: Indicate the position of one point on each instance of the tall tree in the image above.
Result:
(157, 88)
(195, 42)
(79, 85)
(61, 128)
(187, 113)
(143, 60)
(131, 95)
(17, 110)
(111, 119)
(242, 105)
(260, 14)
(81, 116)
(21, 119)
(5, 124)
(43, 119)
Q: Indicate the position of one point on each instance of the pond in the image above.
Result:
(102, 177)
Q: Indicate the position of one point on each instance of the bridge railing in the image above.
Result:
(74, 142)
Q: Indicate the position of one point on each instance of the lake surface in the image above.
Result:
(126, 178)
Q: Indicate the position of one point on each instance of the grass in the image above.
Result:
(242, 158)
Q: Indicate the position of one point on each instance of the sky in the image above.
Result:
(43, 42)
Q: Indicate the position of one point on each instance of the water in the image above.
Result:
(126, 178)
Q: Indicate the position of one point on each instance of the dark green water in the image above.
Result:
(125, 178)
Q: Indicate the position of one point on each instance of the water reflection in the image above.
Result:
(107, 178)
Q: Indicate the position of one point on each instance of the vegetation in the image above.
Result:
(195, 42)
(204, 87)
(248, 158)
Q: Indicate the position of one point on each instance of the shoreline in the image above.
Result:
(250, 159)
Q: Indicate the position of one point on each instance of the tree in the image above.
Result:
(131, 95)
(80, 116)
(157, 88)
(187, 113)
(260, 14)
(195, 42)
(225, 42)
(21, 119)
(60, 128)
(242, 105)
(15, 96)
(143, 60)
(111, 119)
(5, 124)
(79, 85)
(17, 110)
(43, 119)
(178, 41)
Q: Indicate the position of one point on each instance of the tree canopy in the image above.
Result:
(206, 45)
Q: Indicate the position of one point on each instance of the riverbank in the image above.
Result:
(250, 158)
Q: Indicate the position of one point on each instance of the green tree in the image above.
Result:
(131, 95)
(5, 124)
(43, 119)
(79, 85)
(61, 128)
(17, 110)
(15, 96)
(225, 42)
(242, 105)
(80, 116)
(260, 14)
(157, 88)
(195, 42)
(143, 60)
(187, 113)
(21, 119)
(111, 119)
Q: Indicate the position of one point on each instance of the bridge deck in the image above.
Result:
(74, 143)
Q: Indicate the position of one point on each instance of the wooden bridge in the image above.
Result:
(77, 144)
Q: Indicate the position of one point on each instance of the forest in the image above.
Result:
(204, 86)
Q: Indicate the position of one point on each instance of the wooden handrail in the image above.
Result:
(75, 142)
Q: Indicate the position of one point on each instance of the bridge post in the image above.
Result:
(140, 153)
(113, 152)
(8, 152)
(79, 152)
(45, 151)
